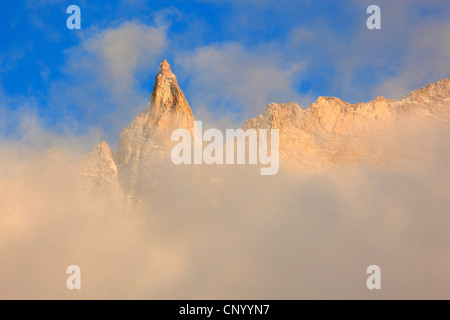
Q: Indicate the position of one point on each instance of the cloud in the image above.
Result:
(408, 52)
(103, 77)
(333, 54)
(344, 59)
(307, 236)
(426, 59)
(307, 52)
(291, 236)
(13, 110)
(21, 129)
(126, 51)
(99, 92)
(98, 88)
(238, 79)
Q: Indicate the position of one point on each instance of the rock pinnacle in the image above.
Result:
(164, 68)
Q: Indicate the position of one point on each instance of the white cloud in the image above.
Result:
(427, 59)
(104, 73)
(126, 50)
(100, 89)
(231, 75)
(296, 236)
(410, 50)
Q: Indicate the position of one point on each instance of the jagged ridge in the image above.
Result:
(325, 134)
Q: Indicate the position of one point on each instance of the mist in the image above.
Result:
(225, 232)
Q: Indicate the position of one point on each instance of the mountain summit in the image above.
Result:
(167, 99)
(164, 69)
(145, 143)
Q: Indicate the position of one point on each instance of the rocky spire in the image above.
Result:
(164, 69)
(146, 142)
(167, 95)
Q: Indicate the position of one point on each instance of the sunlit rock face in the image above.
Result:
(99, 173)
(145, 144)
(328, 134)
(332, 132)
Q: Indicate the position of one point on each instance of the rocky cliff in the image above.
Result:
(329, 133)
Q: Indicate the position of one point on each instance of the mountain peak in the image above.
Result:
(147, 140)
(103, 146)
(167, 95)
(164, 69)
(102, 151)
(99, 172)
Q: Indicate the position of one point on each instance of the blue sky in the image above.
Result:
(231, 57)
